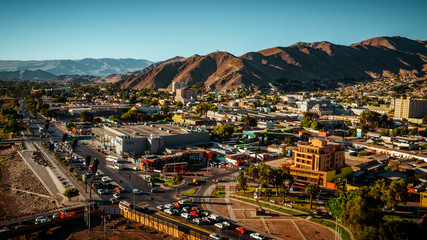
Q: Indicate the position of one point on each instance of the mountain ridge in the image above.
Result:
(87, 66)
(301, 63)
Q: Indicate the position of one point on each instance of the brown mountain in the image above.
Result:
(305, 64)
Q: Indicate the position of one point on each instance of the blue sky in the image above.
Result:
(159, 29)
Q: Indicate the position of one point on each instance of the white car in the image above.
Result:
(219, 225)
(98, 174)
(41, 219)
(136, 191)
(215, 236)
(182, 202)
(104, 179)
(168, 206)
(117, 195)
(169, 211)
(256, 236)
(101, 191)
(186, 215)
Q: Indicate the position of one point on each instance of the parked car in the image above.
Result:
(226, 224)
(116, 195)
(219, 225)
(197, 221)
(215, 217)
(114, 200)
(205, 213)
(104, 179)
(136, 191)
(215, 236)
(41, 219)
(185, 209)
(119, 189)
(256, 236)
(101, 191)
(206, 220)
(195, 208)
(56, 215)
(182, 202)
(186, 215)
(155, 190)
(195, 214)
(98, 174)
(241, 229)
(170, 206)
(168, 211)
(160, 207)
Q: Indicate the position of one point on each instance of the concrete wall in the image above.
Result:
(185, 139)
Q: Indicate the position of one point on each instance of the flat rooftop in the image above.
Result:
(141, 130)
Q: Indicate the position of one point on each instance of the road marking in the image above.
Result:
(227, 202)
(265, 224)
(297, 228)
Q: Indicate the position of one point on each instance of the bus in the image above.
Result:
(175, 167)
(125, 206)
(111, 158)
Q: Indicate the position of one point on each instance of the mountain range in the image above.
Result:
(300, 65)
(88, 66)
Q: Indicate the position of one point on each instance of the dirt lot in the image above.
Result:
(115, 229)
(16, 175)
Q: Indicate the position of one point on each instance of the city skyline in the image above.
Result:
(158, 31)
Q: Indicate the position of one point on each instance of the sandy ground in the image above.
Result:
(15, 176)
(115, 229)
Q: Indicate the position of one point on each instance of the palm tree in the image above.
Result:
(311, 189)
(268, 193)
(284, 189)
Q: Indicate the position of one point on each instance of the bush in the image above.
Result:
(71, 169)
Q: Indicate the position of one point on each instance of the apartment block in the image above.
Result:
(319, 162)
(410, 108)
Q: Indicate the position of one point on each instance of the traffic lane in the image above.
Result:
(229, 233)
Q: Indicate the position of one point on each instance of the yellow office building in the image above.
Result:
(319, 162)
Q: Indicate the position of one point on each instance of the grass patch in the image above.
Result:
(219, 192)
(266, 205)
(299, 202)
(388, 217)
(344, 234)
(189, 192)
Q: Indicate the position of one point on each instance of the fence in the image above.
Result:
(154, 222)
(164, 226)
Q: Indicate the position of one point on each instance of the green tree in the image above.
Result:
(179, 105)
(46, 124)
(268, 193)
(340, 186)
(74, 143)
(311, 189)
(87, 159)
(250, 122)
(69, 125)
(71, 192)
(86, 116)
(252, 171)
(285, 191)
(241, 178)
(225, 130)
(64, 137)
(95, 164)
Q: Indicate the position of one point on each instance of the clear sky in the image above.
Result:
(159, 29)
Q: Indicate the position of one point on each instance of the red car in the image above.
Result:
(241, 229)
(195, 209)
(194, 214)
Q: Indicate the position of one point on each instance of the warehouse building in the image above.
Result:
(148, 138)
